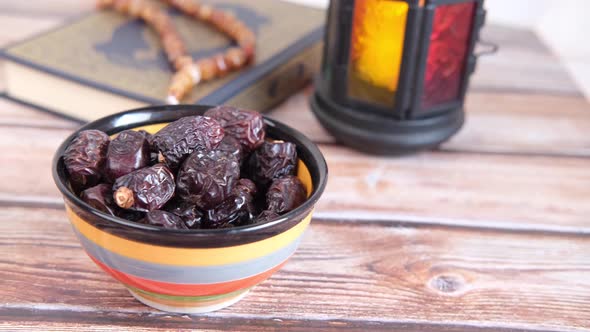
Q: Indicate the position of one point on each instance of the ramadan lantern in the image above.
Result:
(395, 72)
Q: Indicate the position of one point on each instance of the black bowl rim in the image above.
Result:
(147, 114)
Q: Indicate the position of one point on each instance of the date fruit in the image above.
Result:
(244, 125)
(232, 146)
(100, 197)
(206, 178)
(164, 219)
(146, 189)
(285, 194)
(184, 136)
(128, 152)
(236, 210)
(189, 213)
(273, 160)
(85, 158)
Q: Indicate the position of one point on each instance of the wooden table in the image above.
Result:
(489, 232)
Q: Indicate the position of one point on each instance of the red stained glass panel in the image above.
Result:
(449, 44)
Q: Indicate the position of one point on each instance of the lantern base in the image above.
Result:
(375, 134)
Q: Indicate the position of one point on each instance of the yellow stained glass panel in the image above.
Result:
(376, 49)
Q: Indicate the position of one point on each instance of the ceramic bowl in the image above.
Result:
(190, 271)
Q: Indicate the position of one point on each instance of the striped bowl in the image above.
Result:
(190, 271)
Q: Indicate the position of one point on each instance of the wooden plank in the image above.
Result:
(521, 123)
(14, 114)
(466, 189)
(64, 320)
(524, 124)
(29, 151)
(58, 9)
(522, 62)
(510, 192)
(345, 272)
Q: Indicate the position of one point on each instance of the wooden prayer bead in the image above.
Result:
(188, 72)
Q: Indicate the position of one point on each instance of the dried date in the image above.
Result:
(154, 154)
(100, 197)
(285, 194)
(207, 178)
(273, 160)
(244, 125)
(146, 189)
(236, 210)
(164, 219)
(127, 152)
(85, 158)
(232, 146)
(184, 136)
(188, 212)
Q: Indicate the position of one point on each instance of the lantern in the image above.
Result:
(394, 72)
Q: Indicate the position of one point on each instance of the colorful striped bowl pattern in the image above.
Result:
(190, 271)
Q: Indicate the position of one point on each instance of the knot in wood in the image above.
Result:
(447, 283)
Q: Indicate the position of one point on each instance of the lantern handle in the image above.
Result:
(488, 48)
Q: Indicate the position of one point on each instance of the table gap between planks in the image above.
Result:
(488, 232)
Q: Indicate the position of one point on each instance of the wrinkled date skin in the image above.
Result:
(85, 158)
(128, 152)
(100, 197)
(207, 178)
(231, 146)
(285, 194)
(184, 136)
(244, 125)
(189, 213)
(146, 189)
(164, 219)
(236, 210)
(273, 160)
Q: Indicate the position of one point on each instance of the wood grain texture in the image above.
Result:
(522, 63)
(56, 9)
(524, 124)
(352, 274)
(466, 189)
(511, 192)
(68, 320)
(14, 114)
(512, 123)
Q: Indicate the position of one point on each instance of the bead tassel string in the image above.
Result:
(188, 71)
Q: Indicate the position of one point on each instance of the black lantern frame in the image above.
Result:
(404, 125)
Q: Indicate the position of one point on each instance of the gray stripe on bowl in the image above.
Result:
(188, 274)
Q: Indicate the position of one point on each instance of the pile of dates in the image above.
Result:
(199, 172)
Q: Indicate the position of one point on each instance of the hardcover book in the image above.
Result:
(105, 62)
